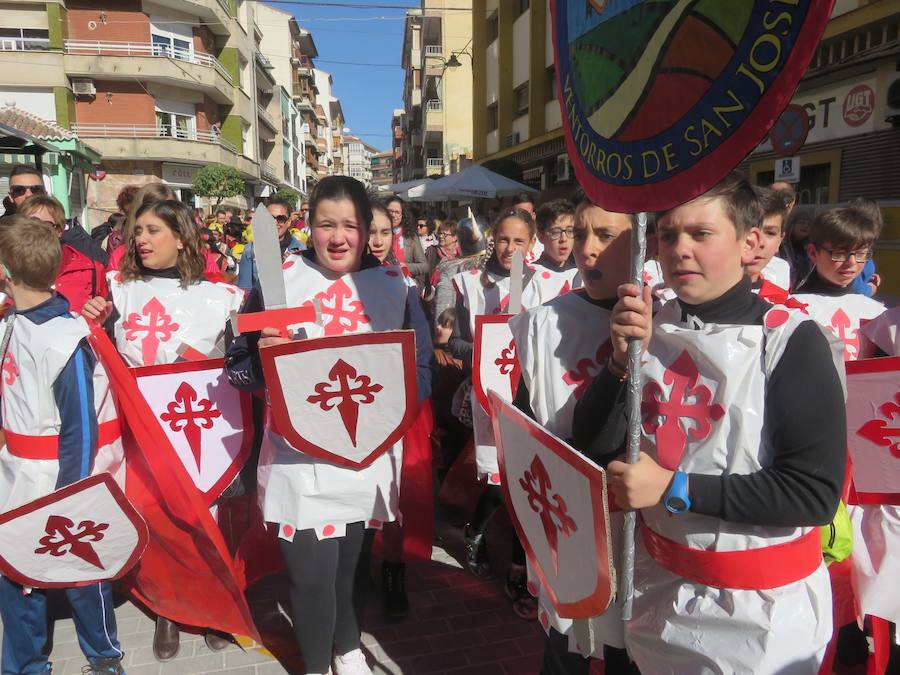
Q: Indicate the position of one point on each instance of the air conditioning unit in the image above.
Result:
(892, 100)
(84, 88)
(511, 140)
(563, 168)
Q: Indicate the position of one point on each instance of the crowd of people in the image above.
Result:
(737, 310)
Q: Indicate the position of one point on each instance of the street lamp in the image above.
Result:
(453, 62)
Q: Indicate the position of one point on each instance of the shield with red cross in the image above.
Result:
(873, 429)
(558, 503)
(345, 399)
(495, 365)
(81, 534)
(209, 422)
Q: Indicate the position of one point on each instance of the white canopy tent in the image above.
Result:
(475, 182)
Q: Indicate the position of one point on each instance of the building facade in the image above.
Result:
(357, 159)
(436, 127)
(383, 168)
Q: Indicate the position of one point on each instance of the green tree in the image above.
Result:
(288, 195)
(217, 181)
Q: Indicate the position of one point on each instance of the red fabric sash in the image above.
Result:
(747, 569)
(186, 573)
(47, 447)
(881, 636)
(416, 489)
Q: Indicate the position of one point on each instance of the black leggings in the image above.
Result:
(488, 503)
(329, 584)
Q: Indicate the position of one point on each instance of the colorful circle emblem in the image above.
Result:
(660, 100)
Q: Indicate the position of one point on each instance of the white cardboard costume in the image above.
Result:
(157, 317)
(298, 491)
(561, 346)
(842, 316)
(884, 331)
(34, 360)
(778, 271)
(557, 282)
(683, 627)
(494, 300)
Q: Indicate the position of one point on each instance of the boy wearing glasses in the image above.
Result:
(840, 243)
(24, 181)
(555, 232)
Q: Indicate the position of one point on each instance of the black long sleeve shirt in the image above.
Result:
(804, 420)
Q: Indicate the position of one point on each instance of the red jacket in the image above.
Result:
(80, 278)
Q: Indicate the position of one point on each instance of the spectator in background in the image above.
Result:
(410, 251)
(81, 276)
(24, 182)
(525, 202)
(425, 229)
(234, 239)
(222, 217)
(280, 210)
(447, 247)
(124, 201)
(793, 246)
(868, 281)
(787, 192)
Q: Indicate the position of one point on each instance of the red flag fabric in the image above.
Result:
(186, 573)
(416, 498)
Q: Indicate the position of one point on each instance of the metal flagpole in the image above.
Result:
(633, 403)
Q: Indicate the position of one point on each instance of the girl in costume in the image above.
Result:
(327, 513)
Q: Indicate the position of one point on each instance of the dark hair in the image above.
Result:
(177, 216)
(771, 202)
(870, 208)
(116, 220)
(450, 226)
(235, 230)
(847, 227)
(549, 212)
(739, 202)
(788, 193)
(447, 318)
(379, 206)
(25, 170)
(278, 201)
(337, 188)
(519, 214)
(222, 211)
(407, 222)
(523, 198)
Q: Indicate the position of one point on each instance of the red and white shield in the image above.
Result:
(81, 534)
(345, 399)
(209, 422)
(557, 501)
(495, 366)
(873, 429)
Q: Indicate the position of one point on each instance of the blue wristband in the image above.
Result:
(677, 499)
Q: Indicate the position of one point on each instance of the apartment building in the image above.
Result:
(398, 134)
(325, 144)
(383, 168)
(357, 158)
(337, 135)
(436, 128)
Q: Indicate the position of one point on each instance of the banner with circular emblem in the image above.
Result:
(660, 100)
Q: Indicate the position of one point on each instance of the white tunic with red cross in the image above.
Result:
(842, 315)
(876, 528)
(561, 346)
(703, 405)
(494, 299)
(777, 271)
(301, 492)
(157, 317)
(37, 354)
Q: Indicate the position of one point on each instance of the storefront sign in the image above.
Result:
(179, 174)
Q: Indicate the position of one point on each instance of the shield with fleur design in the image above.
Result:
(209, 422)
(873, 429)
(558, 503)
(81, 534)
(495, 365)
(345, 399)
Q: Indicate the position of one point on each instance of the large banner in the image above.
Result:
(660, 100)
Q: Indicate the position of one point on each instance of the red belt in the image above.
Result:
(47, 447)
(747, 569)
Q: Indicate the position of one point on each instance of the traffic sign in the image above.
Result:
(787, 170)
(790, 130)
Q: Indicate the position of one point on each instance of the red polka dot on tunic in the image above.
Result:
(328, 530)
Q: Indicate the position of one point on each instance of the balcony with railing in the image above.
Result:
(434, 166)
(268, 171)
(129, 60)
(266, 118)
(434, 50)
(434, 118)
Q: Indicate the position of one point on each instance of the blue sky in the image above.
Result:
(368, 93)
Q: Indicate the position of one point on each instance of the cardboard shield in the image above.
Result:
(345, 399)
(209, 422)
(873, 429)
(660, 100)
(558, 504)
(81, 534)
(495, 366)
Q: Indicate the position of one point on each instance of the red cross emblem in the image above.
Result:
(10, 369)
(878, 431)
(158, 328)
(551, 509)
(687, 401)
(508, 364)
(63, 538)
(346, 313)
(841, 326)
(183, 416)
(585, 370)
(346, 396)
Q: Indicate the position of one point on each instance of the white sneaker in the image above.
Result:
(351, 663)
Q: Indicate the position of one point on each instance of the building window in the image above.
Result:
(20, 39)
(172, 47)
(245, 138)
(521, 94)
(551, 83)
(493, 29)
(243, 72)
(174, 125)
(522, 6)
(493, 117)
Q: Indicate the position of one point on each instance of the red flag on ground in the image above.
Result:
(186, 573)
